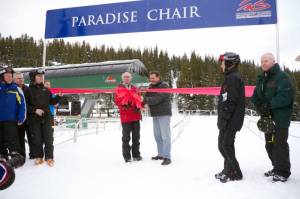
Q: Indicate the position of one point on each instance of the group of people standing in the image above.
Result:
(25, 110)
(273, 98)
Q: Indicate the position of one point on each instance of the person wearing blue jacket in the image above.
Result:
(13, 113)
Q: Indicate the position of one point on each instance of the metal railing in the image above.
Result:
(97, 125)
(180, 126)
(100, 125)
(249, 112)
(251, 125)
(198, 112)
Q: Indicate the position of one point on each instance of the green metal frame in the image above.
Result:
(93, 81)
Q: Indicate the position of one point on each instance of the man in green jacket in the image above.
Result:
(273, 98)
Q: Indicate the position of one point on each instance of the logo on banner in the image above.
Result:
(110, 80)
(253, 9)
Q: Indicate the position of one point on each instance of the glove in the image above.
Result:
(127, 106)
(222, 124)
(264, 110)
(226, 114)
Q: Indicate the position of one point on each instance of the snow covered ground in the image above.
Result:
(93, 167)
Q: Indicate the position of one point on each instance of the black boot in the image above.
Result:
(269, 173)
(224, 178)
(232, 177)
(16, 160)
(157, 158)
(138, 158)
(166, 161)
(278, 178)
(219, 175)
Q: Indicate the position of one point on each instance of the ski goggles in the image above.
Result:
(41, 71)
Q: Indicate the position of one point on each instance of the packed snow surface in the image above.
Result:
(93, 167)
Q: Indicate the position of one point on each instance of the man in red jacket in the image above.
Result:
(129, 103)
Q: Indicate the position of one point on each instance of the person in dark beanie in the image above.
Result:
(22, 129)
(127, 98)
(273, 98)
(13, 114)
(39, 120)
(160, 110)
(231, 111)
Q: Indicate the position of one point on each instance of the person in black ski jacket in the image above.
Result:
(231, 111)
(161, 112)
(39, 120)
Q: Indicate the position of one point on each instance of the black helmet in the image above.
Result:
(6, 69)
(231, 59)
(33, 73)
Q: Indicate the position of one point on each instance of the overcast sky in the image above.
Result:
(28, 16)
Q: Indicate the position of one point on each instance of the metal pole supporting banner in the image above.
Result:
(277, 44)
(277, 35)
(44, 52)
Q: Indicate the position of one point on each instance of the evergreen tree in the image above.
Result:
(190, 71)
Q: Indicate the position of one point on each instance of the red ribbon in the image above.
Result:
(128, 96)
(214, 91)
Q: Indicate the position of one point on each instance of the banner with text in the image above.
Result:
(157, 15)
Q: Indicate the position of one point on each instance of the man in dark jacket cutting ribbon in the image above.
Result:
(161, 112)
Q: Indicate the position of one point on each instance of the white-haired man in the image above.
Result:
(130, 116)
(273, 98)
(22, 129)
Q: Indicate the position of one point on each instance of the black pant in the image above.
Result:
(127, 128)
(279, 152)
(29, 140)
(21, 134)
(226, 148)
(42, 139)
(9, 140)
